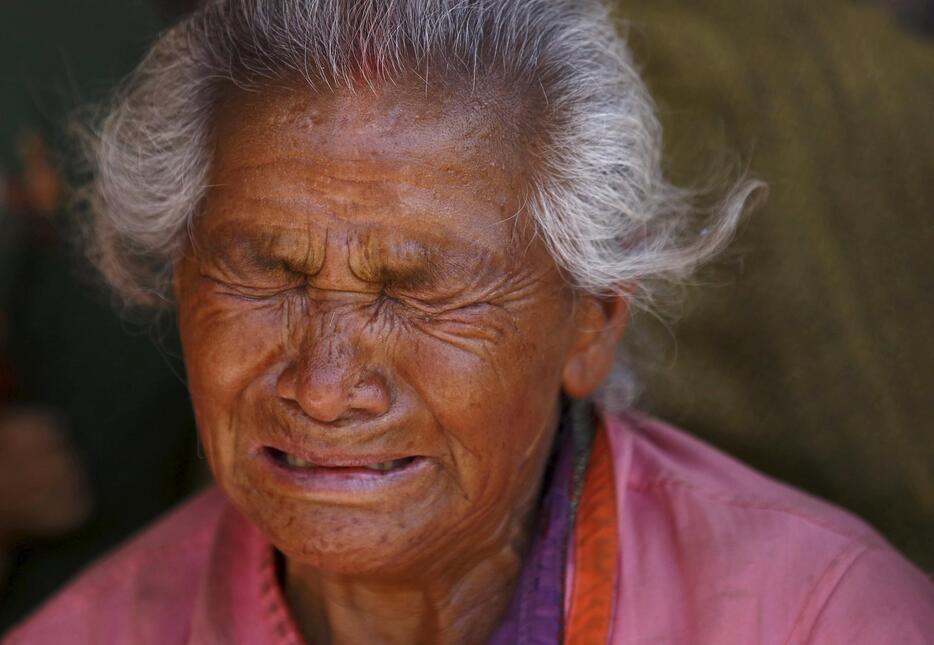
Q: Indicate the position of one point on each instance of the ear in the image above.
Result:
(599, 326)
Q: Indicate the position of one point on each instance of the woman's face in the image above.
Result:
(374, 343)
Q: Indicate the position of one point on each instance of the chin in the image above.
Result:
(346, 540)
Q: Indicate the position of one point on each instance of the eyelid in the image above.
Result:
(417, 298)
(252, 292)
(251, 266)
(439, 306)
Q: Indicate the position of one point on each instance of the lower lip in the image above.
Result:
(348, 484)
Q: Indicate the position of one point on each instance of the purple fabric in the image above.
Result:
(535, 613)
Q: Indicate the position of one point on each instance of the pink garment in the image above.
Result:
(711, 553)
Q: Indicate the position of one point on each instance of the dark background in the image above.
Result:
(111, 384)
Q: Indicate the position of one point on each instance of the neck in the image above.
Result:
(454, 600)
(457, 607)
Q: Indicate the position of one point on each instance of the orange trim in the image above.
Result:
(596, 551)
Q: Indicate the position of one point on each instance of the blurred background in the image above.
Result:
(808, 352)
(96, 433)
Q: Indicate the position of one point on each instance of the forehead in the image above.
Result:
(438, 164)
(453, 115)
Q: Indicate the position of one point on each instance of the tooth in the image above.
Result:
(297, 462)
(386, 465)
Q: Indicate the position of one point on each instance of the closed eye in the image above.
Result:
(438, 307)
(256, 292)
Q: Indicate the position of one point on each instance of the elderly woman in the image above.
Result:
(402, 239)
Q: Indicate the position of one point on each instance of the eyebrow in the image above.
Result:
(391, 261)
(261, 249)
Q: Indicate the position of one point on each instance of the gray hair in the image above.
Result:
(600, 202)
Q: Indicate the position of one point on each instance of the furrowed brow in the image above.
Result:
(433, 268)
(396, 262)
(261, 249)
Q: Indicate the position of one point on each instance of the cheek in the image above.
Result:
(227, 349)
(494, 403)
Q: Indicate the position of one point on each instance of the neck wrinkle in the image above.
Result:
(449, 610)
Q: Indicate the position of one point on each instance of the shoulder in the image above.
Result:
(665, 463)
(878, 597)
(151, 580)
(742, 555)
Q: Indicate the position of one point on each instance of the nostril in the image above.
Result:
(322, 392)
(371, 395)
(327, 407)
(330, 392)
(287, 384)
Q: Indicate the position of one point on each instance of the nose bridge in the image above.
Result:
(329, 349)
(329, 376)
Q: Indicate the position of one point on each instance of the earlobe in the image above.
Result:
(600, 325)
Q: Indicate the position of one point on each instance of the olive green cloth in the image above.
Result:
(809, 352)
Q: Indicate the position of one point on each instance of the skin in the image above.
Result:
(362, 283)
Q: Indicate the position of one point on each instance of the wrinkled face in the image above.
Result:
(374, 348)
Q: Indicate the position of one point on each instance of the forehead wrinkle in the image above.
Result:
(302, 143)
(326, 194)
(316, 215)
(308, 190)
(375, 251)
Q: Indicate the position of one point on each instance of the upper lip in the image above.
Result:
(345, 447)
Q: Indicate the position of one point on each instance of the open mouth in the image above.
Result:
(294, 462)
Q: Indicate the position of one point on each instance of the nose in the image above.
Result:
(329, 383)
